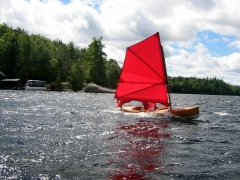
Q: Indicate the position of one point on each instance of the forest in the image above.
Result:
(192, 85)
(32, 56)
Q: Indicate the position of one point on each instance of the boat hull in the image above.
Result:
(191, 112)
(29, 88)
(35, 85)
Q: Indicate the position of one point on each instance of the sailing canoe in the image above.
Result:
(191, 112)
(144, 78)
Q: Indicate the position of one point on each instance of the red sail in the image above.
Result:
(143, 76)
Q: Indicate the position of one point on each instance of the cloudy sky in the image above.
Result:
(201, 38)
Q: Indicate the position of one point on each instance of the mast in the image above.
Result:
(165, 71)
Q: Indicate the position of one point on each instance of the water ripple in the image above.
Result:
(60, 135)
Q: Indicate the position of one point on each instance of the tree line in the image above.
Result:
(192, 85)
(34, 56)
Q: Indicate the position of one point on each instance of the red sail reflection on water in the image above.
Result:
(138, 149)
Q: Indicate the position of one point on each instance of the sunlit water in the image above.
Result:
(60, 135)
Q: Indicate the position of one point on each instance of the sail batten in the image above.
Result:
(143, 76)
(146, 63)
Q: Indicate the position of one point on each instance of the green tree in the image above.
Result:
(9, 53)
(23, 55)
(74, 52)
(40, 58)
(112, 73)
(96, 62)
(4, 28)
(62, 55)
(77, 76)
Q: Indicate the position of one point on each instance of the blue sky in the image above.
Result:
(66, 1)
(200, 38)
(217, 44)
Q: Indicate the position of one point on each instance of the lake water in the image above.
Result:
(66, 135)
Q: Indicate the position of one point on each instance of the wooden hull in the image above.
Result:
(191, 112)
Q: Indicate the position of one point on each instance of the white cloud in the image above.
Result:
(235, 44)
(201, 64)
(125, 22)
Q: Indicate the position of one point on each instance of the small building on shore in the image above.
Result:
(11, 84)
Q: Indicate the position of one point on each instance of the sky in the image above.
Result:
(201, 38)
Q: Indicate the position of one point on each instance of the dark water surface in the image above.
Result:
(60, 135)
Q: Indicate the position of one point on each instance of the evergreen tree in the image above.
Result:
(9, 53)
(112, 73)
(77, 76)
(96, 61)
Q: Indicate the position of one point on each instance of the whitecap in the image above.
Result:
(222, 113)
